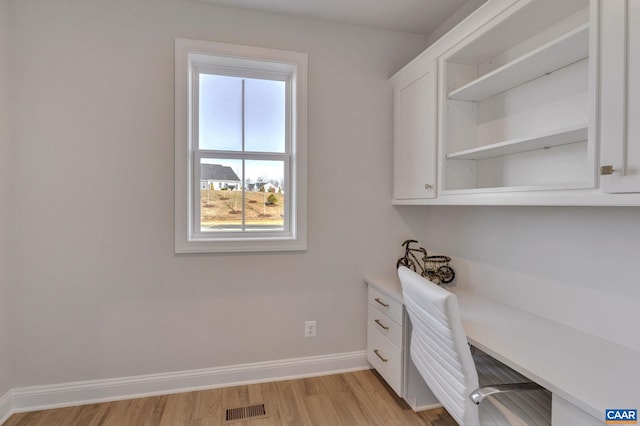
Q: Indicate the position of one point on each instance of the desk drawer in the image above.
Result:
(385, 358)
(385, 304)
(385, 326)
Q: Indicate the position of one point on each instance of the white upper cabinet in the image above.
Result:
(535, 102)
(620, 96)
(515, 102)
(414, 136)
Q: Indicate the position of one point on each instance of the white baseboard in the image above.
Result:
(5, 407)
(77, 393)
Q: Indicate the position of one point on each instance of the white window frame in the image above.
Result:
(191, 55)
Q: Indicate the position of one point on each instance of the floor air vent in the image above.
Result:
(245, 413)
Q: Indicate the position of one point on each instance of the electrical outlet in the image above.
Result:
(309, 329)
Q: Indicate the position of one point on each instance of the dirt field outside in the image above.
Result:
(219, 208)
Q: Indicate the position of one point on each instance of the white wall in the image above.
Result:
(576, 265)
(5, 204)
(99, 292)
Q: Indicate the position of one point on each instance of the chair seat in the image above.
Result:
(513, 408)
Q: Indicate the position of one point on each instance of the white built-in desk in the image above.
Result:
(586, 374)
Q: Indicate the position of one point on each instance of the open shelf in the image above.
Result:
(514, 146)
(558, 53)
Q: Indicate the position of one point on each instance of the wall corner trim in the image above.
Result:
(34, 398)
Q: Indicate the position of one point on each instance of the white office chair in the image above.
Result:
(441, 353)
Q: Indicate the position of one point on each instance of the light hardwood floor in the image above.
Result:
(350, 399)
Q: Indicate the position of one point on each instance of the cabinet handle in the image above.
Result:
(428, 186)
(381, 324)
(377, 299)
(606, 170)
(375, 351)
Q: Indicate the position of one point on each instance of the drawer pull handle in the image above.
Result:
(381, 324)
(377, 299)
(375, 351)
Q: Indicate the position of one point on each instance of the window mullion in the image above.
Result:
(244, 195)
(208, 153)
(244, 225)
(243, 114)
(250, 155)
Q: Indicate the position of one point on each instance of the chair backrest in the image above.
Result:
(439, 347)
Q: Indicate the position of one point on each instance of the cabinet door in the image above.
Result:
(620, 95)
(414, 144)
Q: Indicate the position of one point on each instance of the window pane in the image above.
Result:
(220, 195)
(220, 112)
(264, 115)
(265, 195)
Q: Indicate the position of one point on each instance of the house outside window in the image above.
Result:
(218, 177)
(240, 148)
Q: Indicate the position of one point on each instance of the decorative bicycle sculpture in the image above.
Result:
(434, 268)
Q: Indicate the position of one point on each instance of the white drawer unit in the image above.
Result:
(385, 358)
(390, 329)
(386, 304)
(388, 339)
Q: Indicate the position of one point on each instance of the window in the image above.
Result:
(240, 150)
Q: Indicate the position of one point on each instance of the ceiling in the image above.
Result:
(411, 16)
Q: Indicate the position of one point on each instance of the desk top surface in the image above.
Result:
(591, 373)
